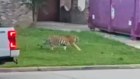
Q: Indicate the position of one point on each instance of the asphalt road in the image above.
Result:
(75, 74)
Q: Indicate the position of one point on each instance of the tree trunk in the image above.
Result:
(35, 12)
(35, 7)
(35, 17)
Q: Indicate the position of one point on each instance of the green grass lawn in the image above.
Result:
(96, 50)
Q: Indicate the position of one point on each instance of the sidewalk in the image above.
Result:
(62, 26)
(121, 38)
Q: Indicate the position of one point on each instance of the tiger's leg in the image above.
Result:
(52, 48)
(65, 47)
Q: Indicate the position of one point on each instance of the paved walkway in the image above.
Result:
(79, 27)
(63, 26)
(121, 38)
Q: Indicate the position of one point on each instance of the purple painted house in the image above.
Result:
(120, 16)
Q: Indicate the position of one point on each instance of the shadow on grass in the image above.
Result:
(4, 60)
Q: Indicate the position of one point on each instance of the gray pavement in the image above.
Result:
(75, 74)
(63, 26)
(66, 68)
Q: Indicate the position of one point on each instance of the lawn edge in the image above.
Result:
(62, 68)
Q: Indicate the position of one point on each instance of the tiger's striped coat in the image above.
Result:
(65, 41)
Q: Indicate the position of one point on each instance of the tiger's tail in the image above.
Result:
(77, 47)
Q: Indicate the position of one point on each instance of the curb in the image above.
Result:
(63, 68)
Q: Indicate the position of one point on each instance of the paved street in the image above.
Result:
(75, 74)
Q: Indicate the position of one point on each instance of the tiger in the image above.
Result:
(55, 41)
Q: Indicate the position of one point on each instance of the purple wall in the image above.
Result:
(120, 16)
